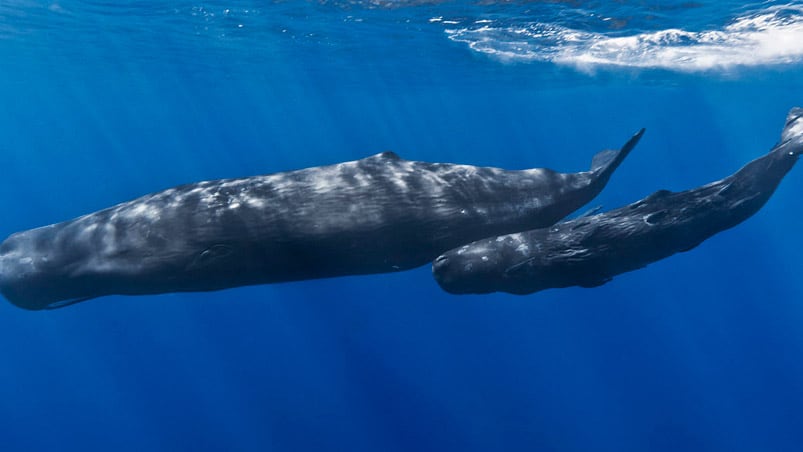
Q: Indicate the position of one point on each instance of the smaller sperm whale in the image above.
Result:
(378, 214)
(589, 251)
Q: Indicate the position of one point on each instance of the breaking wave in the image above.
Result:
(773, 36)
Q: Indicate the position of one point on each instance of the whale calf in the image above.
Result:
(589, 251)
(378, 214)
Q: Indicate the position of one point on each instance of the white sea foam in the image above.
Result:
(773, 36)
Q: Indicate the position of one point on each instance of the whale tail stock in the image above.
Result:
(792, 135)
(604, 163)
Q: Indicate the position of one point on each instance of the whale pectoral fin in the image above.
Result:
(65, 303)
(595, 282)
(609, 160)
(590, 212)
(690, 247)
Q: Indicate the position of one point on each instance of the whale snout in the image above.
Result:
(440, 262)
(442, 271)
(450, 272)
(465, 270)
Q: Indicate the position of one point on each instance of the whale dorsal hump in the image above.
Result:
(662, 193)
(388, 155)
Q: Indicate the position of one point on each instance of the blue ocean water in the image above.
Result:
(101, 102)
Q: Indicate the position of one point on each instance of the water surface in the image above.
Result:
(103, 102)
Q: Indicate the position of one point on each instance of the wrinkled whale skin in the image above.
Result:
(589, 251)
(378, 214)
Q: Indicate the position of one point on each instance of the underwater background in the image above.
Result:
(101, 102)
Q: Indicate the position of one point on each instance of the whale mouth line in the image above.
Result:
(766, 37)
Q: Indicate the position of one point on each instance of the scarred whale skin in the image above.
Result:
(377, 214)
(589, 251)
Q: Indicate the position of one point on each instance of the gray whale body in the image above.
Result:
(590, 251)
(377, 214)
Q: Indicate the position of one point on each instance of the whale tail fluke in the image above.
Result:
(792, 134)
(605, 162)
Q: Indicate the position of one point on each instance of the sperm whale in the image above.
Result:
(589, 251)
(378, 214)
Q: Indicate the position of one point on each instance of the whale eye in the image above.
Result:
(654, 218)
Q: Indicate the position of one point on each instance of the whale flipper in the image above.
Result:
(65, 303)
(607, 161)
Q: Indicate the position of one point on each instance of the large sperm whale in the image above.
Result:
(591, 250)
(378, 214)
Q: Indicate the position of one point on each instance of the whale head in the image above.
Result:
(490, 265)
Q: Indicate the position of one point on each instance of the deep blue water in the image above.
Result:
(101, 103)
